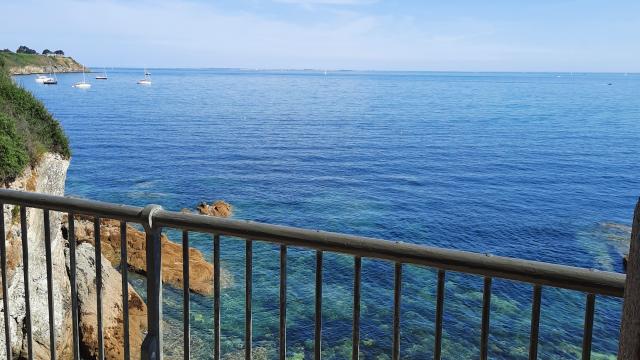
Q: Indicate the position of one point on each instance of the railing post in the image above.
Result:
(630, 329)
(152, 344)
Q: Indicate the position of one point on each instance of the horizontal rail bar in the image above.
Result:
(561, 276)
(69, 204)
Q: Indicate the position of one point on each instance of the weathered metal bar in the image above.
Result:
(47, 250)
(355, 340)
(248, 316)
(68, 204)
(588, 326)
(486, 313)
(98, 256)
(535, 322)
(318, 322)
(25, 263)
(397, 296)
(216, 297)
(74, 287)
(567, 277)
(437, 351)
(186, 310)
(124, 265)
(283, 302)
(152, 344)
(5, 287)
(629, 343)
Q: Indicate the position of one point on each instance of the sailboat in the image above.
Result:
(52, 79)
(84, 84)
(147, 78)
(41, 78)
(102, 77)
(44, 79)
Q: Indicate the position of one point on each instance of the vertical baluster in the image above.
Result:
(535, 322)
(47, 246)
(588, 326)
(397, 292)
(283, 302)
(5, 287)
(74, 288)
(153, 341)
(439, 312)
(98, 256)
(186, 332)
(486, 312)
(318, 323)
(216, 297)
(25, 263)
(124, 268)
(355, 341)
(248, 325)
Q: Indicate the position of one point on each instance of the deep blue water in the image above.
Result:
(529, 165)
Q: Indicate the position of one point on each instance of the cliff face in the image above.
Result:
(47, 177)
(22, 64)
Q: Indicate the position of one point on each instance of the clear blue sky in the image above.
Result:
(468, 35)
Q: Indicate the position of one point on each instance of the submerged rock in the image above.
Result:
(201, 271)
(218, 208)
(112, 309)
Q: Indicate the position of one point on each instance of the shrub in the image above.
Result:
(27, 129)
(25, 50)
(13, 154)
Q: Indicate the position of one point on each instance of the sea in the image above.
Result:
(539, 166)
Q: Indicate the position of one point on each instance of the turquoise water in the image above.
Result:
(525, 165)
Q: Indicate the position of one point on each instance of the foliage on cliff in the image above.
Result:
(14, 62)
(27, 129)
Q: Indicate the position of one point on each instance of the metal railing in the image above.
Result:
(153, 218)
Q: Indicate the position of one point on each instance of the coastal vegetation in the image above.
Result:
(32, 63)
(27, 129)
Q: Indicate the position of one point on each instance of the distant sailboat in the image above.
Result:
(52, 79)
(84, 84)
(44, 79)
(147, 78)
(41, 78)
(102, 77)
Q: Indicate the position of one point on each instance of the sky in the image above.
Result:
(442, 35)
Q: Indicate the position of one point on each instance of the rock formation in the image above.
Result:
(112, 310)
(218, 208)
(201, 271)
(47, 177)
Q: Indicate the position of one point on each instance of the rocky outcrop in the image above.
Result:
(218, 208)
(112, 309)
(47, 177)
(201, 271)
(60, 64)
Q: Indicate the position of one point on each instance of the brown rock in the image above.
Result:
(201, 271)
(112, 310)
(218, 208)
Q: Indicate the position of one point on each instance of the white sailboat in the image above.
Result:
(52, 79)
(102, 77)
(44, 79)
(83, 84)
(147, 78)
(41, 78)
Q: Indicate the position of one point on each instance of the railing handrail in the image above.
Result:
(535, 272)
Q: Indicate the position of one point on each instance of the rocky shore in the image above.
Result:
(24, 64)
(48, 176)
